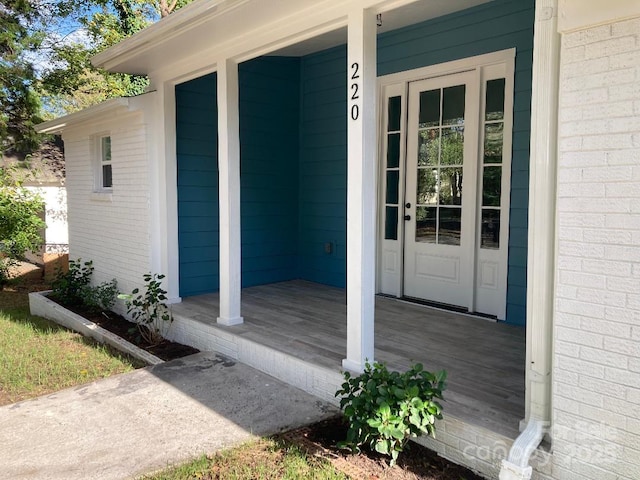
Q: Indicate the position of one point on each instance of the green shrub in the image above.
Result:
(384, 409)
(73, 288)
(148, 309)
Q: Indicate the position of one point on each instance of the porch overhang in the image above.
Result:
(244, 29)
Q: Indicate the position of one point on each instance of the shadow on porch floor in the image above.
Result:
(484, 359)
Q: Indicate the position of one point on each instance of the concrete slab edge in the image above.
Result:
(42, 306)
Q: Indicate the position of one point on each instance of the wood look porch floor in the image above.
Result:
(484, 359)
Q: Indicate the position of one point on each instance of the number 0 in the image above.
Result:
(355, 112)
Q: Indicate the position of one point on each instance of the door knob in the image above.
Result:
(407, 217)
(407, 205)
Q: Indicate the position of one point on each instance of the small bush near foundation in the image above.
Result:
(384, 409)
(73, 287)
(149, 310)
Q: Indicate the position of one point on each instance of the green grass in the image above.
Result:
(263, 459)
(39, 357)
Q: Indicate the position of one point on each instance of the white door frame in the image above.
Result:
(390, 252)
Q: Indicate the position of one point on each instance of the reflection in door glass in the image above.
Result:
(429, 109)
(449, 226)
(451, 186)
(493, 142)
(427, 186)
(428, 147)
(426, 224)
(452, 146)
(490, 236)
(491, 186)
(453, 105)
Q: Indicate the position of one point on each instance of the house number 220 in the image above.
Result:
(354, 88)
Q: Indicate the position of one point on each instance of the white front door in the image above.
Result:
(440, 190)
(446, 158)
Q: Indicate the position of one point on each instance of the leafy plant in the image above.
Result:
(148, 309)
(384, 409)
(73, 287)
(69, 287)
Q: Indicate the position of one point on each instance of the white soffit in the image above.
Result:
(205, 24)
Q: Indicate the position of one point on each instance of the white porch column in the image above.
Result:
(229, 191)
(361, 188)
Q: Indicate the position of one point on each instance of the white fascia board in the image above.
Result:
(169, 27)
(576, 15)
(57, 125)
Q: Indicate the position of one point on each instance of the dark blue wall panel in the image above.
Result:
(497, 25)
(269, 119)
(197, 158)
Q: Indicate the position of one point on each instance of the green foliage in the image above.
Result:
(384, 409)
(73, 288)
(20, 223)
(148, 309)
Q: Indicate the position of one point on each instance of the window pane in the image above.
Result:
(452, 146)
(451, 186)
(453, 105)
(393, 150)
(394, 114)
(491, 186)
(392, 186)
(106, 149)
(106, 176)
(428, 146)
(493, 142)
(426, 194)
(429, 109)
(391, 223)
(490, 237)
(495, 99)
(426, 224)
(449, 226)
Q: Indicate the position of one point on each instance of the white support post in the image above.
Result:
(229, 191)
(361, 188)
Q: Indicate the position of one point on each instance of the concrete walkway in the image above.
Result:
(142, 421)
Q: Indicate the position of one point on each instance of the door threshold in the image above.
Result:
(445, 307)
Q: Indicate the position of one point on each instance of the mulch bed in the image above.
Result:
(117, 324)
(414, 463)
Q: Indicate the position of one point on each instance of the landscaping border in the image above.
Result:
(42, 306)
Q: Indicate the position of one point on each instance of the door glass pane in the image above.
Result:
(426, 224)
(429, 109)
(449, 226)
(452, 144)
(493, 142)
(106, 149)
(428, 147)
(495, 99)
(490, 237)
(427, 189)
(392, 186)
(393, 150)
(451, 186)
(391, 223)
(491, 186)
(453, 105)
(393, 124)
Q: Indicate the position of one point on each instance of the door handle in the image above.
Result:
(407, 205)
(407, 217)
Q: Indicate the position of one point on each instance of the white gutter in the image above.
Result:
(59, 124)
(541, 242)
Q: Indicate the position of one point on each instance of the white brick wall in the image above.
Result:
(112, 231)
(596, 396)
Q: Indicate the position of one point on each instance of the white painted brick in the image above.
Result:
(583, 279)
(627, 92)
(621, 252)
(608, 48)
(611, 141)
(601, 297)
(622, 377)
(585, 368)
(603, 327)
(585, 219)
(578, 69)
(601, 79)
(600, 386)
(622, 315)
(584, 97)
(628, 347)
(607, 268)
(584, 37)
(567, 349)
(581, 395)
(604, 357)
(627, 285)
(580, 308)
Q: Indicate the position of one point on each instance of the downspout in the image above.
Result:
(541, 241)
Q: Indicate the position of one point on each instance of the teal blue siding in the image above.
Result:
(294, 144)
(498, 25)
(269, 119)
(323, 167)
(197, 161)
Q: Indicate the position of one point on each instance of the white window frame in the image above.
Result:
(99, 162)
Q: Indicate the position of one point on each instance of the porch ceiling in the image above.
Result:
(484, 360)
(244, 29)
